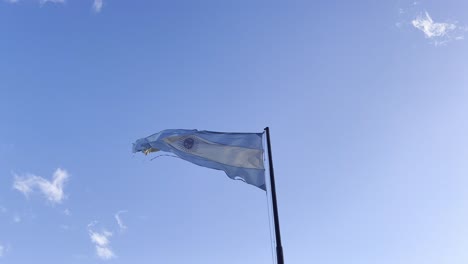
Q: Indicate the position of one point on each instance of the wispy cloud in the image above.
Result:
(97, 5)
(104, 252)
(67, 212)
(51, 1)
(101, 242)
(412, 17)
(52, 190)
(431, 29)
(439, 33)
(4, 250)
(119, 220)
(16, 218)
(3, 209)
(41, 2)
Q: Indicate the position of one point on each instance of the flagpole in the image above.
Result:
(279, 247)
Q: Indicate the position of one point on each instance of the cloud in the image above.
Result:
(101, 242)
(4, 250)
(430, 28)
(97, 5)
(439, 33)
(16, 218)
(52, 190)
(41, 2)
(104, 252)
(3, 209)
(100, 239)
(51, 1)
(122, 226)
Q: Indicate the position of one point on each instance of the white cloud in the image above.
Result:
(97, 5)
(439, 33)
(52, 190)
(3, 209)
(67, 212)
(122, 226)
(104, 252)
(100, 239)
(101, 242)
(2, 251)
(430, 28)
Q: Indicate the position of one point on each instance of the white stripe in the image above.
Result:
(225, 154)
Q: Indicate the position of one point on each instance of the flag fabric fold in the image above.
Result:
(239, 155)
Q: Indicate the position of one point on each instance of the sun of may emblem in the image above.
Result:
(188, 143)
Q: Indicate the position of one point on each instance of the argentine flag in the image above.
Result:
(240, 155)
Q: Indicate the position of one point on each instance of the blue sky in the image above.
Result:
(366, 102)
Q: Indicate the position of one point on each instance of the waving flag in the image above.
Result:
(240, 155)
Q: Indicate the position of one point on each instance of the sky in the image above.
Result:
(365, 100)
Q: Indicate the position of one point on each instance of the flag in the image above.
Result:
(239, 155)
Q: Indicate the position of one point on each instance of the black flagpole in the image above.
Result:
(279, 247)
